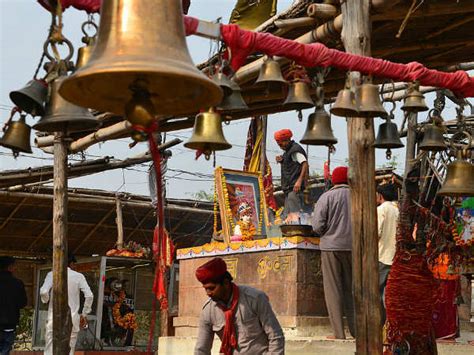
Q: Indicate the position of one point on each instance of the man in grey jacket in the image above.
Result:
(331, 221)
(241, 316)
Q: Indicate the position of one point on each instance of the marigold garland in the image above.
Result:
(128, 321)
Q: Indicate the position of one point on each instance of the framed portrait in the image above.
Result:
(241, 192)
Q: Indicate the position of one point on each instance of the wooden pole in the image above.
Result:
(263, 148)
(62, 324)
(119, 222)
(356, 33)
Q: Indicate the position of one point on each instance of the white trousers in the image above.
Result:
(48, 348)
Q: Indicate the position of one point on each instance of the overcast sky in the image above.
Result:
(23, 29)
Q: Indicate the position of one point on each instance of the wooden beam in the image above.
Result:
(137, 227)
(450, 27)
(428, 9)
(91, 232)
(356, 36)
(119, 222)
(12, 213)
(43, 232)
(62, 323)
(385, 52)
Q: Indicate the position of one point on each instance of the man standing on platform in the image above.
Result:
(241, 316)
(76, 282)
(12, 299)
(387, 217)
(294, 171)
(331, 221)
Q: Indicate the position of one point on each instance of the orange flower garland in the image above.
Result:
(128, 321)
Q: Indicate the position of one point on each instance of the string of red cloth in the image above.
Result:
(242, 43)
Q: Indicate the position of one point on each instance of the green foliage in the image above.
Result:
(392, 163)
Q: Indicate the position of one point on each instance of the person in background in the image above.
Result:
(76, 283)
(387, 217)
(294, 171)
(12, 299)
(241, 316)
(331, 221)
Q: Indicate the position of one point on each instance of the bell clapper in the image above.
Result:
(207, 154)
(300, 116)
(331, 149)
(388, 154)
(140, 111)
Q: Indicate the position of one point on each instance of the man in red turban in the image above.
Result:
(241, 316)
(294, 171)
(331, 221)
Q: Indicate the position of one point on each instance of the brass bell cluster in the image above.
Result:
(207, 135)
(387, 136)
(364, 102)
(142, 79)
(433, 134)
(459, 180)
(16, 134)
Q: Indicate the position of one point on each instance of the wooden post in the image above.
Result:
(119, 222)
(263, 148)
(62, 324)
(356, 35)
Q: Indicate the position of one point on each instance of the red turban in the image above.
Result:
(212, 271)
(339, 175)
(283, 135)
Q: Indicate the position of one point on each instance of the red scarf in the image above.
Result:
(229, 338)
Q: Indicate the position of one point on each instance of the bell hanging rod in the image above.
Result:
(208, 29)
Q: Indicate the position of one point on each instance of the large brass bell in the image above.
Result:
(207, 134)
(141, 42)
(414, 100)
(17, 137)
(299, 97)
(31, 98)
(270, 74)
(369, 101)
(319, 131)
(233, 102)
(62, 115)
(459, 180)
(433, 139)
(345, 104)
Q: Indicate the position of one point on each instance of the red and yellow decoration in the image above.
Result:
(130, 250)
(127, 321)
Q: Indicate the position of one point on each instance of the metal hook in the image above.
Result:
(382, 91)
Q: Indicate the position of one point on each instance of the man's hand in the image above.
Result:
(297, 186)
(279, 158)
(83, 324)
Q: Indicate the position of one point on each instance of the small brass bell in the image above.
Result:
(17, 137)
(233, 102)
(224, 82)
(345, 104)
(369, 101)
(388, 137)
(84, 53)
(433, 139)
(61, 115)
(459, 180)
(130, 49)
(299, 97)
(207, 134)
(414, 101)
(270, 74)
(31, 98)
(319, 131)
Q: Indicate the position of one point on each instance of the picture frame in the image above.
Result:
(235, 189)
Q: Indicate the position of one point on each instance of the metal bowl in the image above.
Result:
(291, 230)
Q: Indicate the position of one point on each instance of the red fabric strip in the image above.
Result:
(229, 337)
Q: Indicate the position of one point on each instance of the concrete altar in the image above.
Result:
(287, 269)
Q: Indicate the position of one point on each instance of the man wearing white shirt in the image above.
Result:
(76, 282)
(387, 217)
